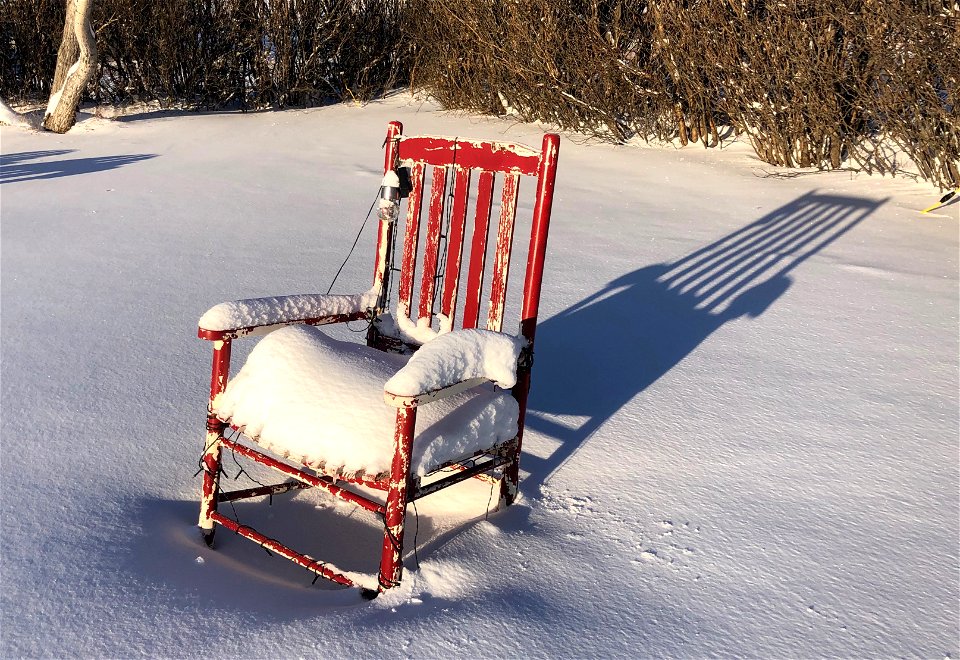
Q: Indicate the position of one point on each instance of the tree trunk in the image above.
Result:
(76, 61)
(69, 51)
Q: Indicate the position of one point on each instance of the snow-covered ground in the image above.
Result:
(744, 428)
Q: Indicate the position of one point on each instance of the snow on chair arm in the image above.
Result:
(454, 362)
(258, 316)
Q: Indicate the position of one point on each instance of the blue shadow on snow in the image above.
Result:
(14, 169)
(598, 354)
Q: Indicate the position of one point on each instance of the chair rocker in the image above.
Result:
(433, 401)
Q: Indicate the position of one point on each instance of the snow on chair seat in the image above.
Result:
(320, 401)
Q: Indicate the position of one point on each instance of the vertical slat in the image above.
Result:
(458, 221)
(438, 188)
(478, 250)
(408, 264)
(501, 264)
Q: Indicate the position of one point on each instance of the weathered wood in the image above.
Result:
(394, 516)
(501, 262)
(458, 221)
(387, 225)
(478, 250)
(408, 264)
(494, 156)
(431, 254)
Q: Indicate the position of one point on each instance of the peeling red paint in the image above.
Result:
(458, 219)
(501, 263)
(478, 250)
(532, 282)
(385, 233)
(431, 253)
(391, 564)
(498, 156)
(408, 264)
(324, 482)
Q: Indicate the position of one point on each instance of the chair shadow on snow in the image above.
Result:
(15, 168)
(598, 354)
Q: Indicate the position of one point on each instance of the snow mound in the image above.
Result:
(458, 356)
(13, 118)
(319, 400)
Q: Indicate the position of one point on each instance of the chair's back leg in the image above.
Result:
(211, 449)
(391, 559)
(532, 282)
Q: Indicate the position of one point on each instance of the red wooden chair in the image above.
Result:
(459, 401)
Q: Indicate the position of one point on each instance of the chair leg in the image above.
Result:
(510, 483)
(212, 447)
(211, 482)
(391, 559)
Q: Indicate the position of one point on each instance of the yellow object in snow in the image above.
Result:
(943, 200)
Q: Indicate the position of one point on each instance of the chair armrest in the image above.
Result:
(258, 316)
(454, 362)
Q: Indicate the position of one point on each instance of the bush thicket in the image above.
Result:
(212, 53)
(811, 83)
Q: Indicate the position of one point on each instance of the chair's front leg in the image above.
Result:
(211, 452)
(391, 564)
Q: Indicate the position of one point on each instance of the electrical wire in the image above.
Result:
(355, 241)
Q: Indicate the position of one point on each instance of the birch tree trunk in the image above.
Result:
(76, 61)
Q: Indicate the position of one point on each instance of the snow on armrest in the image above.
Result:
(245, 317)
(461, 357)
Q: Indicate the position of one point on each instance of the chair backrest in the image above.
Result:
(434, 247)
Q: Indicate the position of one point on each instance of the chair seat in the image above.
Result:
(319, 401)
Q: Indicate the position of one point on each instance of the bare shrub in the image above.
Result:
(575, 64)
(913, 95)
(213, 53)
(811, 83)
(31, 31)
(315, 50)
(786, 74)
